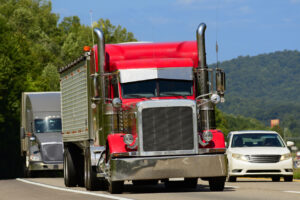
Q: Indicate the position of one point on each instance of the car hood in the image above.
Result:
(48, 137)
(259, 150)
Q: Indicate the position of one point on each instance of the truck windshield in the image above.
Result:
(47, 125)
(256, 140)
(157, 88)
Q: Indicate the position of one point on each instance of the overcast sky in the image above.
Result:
(242, 27)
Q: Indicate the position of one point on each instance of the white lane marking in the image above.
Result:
(72, 190)
(297, 192)
(229, 186)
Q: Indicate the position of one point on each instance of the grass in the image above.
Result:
(297, 173)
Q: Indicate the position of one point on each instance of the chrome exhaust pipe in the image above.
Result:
(206, 109)
(201, 45)
(101, 58)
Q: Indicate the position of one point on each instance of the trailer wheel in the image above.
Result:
(116, 187)
(217, 183)
(232, 179)
(90, 179)
(190, 182)
(25, 169)
(70, 177)
(276, 178)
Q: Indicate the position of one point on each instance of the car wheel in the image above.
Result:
(276, 178)
(288, 178)
(232, 179)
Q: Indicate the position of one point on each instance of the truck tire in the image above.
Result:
(217, 183)
(90, 179)
(288, 178)
(190, 182)
(70, 177)
(115, 187)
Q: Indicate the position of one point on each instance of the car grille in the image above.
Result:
(167, 129)
(52, 152)
(264, 158)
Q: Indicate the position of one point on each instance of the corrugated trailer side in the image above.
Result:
(75, 101)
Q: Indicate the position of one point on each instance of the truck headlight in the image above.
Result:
(207, 136)
(128, 139)
(36, 157)
(241, 157)
(285, 156)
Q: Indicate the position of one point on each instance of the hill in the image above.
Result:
(265, 87)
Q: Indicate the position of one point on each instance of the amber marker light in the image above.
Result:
(86, 48)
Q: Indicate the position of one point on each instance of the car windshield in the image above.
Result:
(256, 140)
(47, 125)
(157, 88)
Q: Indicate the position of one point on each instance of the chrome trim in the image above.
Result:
(44, 167)
(168, 167)
(166, 103)
(200, 33)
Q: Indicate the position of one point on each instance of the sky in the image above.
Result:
(241, 27)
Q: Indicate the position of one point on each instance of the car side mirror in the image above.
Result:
(290, 143)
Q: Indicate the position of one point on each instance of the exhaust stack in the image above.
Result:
(206, 109)
(101, 58)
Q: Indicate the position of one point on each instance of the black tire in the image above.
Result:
(116, 187)
(276, 178)
(190, 182)
(288, 179)
(25, 169)
(232, 179)
(70, 177)
(90, 177)
(217, 183)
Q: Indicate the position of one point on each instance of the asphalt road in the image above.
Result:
(54, 189)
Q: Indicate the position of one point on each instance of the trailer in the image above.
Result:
(142, 112)
(40, 133)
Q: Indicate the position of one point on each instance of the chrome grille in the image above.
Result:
(264, 158)
(52, 152)
(167, 128)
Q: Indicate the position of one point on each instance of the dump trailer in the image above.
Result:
(40, 134)
(142, 112)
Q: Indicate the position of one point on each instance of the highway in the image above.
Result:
(54, 189)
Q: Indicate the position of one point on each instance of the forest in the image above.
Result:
(35, 43)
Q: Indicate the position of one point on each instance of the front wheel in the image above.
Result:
(217, 183)
(288, 178)
(232, 179)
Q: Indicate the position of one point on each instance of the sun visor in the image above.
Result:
(177, 73)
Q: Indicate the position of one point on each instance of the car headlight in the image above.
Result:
(241, 157)
(285, 156)
(36, 157)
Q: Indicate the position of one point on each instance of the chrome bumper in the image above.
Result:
(43, 166)
(139, 168)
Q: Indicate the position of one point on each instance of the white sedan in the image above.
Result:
(258, 154)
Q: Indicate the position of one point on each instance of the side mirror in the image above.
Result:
(290, 143)
(95, 88)
(220, 82)
(32, 138)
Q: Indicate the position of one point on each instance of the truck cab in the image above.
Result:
(41, 140)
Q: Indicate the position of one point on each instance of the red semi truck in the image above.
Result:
(142, 112)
